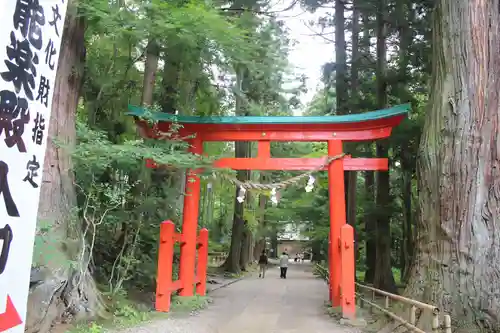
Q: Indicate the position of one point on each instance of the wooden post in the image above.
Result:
(413, 315)
(348, 289)
(330, 259)
(337, 217)
(435, 323)
(201, 268)
(165, 262)
(447, 324)
(190, 225)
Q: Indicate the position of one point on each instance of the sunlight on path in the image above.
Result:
(254, 305)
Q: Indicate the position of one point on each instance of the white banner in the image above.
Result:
(29, 52)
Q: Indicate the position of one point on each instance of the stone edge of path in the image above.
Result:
(174, 317)
(227, 284)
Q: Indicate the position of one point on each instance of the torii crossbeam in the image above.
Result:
(331, 129)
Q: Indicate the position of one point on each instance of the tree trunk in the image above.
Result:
(150, 68)
(383, 278)
(232, 263)
(251, 247)
(245, 247)
(67, 290)
(170, 80)
(351, 200)
(369, 176)
(355, 62)
(352, 189)
(242, 149)
(246, 240)
(404, 15)
(260, 244)
(340, 60)
(408, 244)
(457, 264)
(370, 228)
(274, 244)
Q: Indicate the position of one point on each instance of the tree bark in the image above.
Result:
(457, 264)
(67, 290)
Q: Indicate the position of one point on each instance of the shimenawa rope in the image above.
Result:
(249, 185)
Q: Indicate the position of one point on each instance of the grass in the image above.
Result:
(126, 313)
(124, 316)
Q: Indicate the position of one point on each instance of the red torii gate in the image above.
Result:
(331, 129)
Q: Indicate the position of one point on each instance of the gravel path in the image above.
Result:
(254, 305)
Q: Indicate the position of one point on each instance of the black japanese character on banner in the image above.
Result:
(6, 238)
(29, 18)
(32, 166)
(50, 51)
(38, 129)
(43, 91)
(10, 205)
(56, 17)
(21, 68)
(12, 107)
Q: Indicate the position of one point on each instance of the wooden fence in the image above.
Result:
(216, 258)
(438, 323)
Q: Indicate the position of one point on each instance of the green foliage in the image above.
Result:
(200, 47)
(189, 304)
(123, 313)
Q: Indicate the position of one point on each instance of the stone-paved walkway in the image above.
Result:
(254, 305)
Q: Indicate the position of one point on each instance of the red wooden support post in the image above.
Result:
(190, 225)
(348, 288)
(165, 262)
(337, 216)
(264, 149)
(330, 290)
(201, 274)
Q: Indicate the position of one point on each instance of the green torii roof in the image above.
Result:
(398, 110)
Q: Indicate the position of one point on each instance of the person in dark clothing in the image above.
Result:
(263, 261)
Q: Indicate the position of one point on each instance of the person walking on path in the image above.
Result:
(263, 261)
(283, 265)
